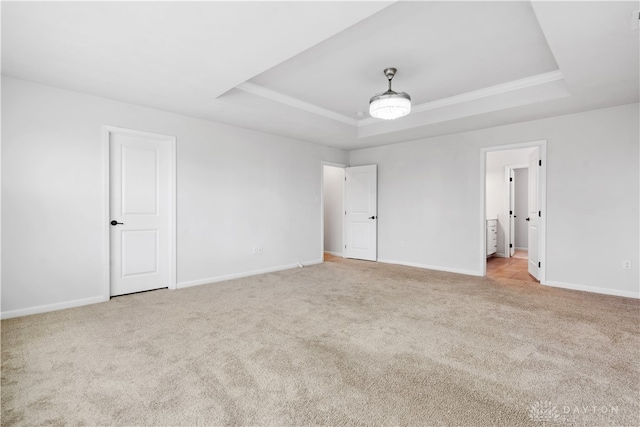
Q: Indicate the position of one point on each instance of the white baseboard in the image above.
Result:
(52, 307)
(94, 300)
(521, 249)
(334, 253)
(433, 267)
(215, 279)
(594, 289)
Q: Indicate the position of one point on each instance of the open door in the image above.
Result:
(361, 212)
(512, 213)
(533, 215)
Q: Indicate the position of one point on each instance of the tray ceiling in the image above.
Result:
(306, 69)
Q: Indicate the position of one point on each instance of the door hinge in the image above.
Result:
(539, 264)
(345, 246)
(539, 213)
(510, 245)
(510, 212)
(510, 179)
(345, 212)
(540, 162)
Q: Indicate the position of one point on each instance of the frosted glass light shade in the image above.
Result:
(390, 105)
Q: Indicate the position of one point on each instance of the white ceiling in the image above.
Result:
(433, 45)
(305, 69)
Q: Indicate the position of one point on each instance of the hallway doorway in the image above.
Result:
(513, 223)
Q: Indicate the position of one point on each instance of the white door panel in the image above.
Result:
(361, 206)
(361, 235)
(512, 182)
(141, 205)
(139, 181)
(533, 215)
(139, 252)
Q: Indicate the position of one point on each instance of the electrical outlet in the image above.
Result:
(626, 264)
(258, 250)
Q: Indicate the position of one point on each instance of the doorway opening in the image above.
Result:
(513, 220)
(332, 214)
(349, 211)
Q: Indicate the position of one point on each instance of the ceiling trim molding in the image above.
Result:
(486, 92)
(514, 85)
(294, 102)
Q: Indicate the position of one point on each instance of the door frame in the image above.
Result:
(107, 131)
(322, 165)
(542, 203)
(507, 234)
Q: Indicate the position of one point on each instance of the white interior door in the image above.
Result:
(512, 212)
(361, 212)
(140, 212)
(533, 214)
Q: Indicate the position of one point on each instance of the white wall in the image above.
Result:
(496, 188)
(236, 189)
(430, 193)
(239, 188)
(333, 197)
(521, 205)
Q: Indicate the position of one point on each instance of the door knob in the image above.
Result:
(526, 219)
(372, 217)
(114, 222)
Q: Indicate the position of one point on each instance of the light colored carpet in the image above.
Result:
(342, 343)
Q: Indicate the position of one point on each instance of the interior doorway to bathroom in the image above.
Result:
(513, 226)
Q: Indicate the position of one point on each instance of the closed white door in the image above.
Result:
(361, 212)
(140, 212)
(533, 214)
